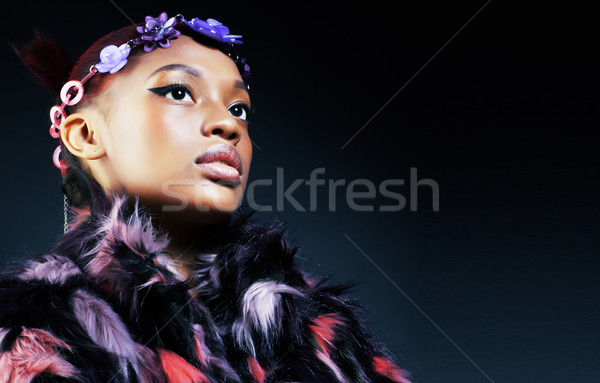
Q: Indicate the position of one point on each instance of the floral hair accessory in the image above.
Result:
(156, 32)
(213, 29)
(113, 58)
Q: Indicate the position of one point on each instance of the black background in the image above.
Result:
(498, 285)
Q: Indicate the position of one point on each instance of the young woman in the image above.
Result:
(162, 275)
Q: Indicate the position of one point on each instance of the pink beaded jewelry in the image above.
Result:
(155, 32)
(57, 113)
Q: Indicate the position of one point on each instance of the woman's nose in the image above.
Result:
(220, 122)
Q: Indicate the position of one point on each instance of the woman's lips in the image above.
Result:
(221, 161)
(221, 170)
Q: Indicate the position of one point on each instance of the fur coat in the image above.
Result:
(106, 305)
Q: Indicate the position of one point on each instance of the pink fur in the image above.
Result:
(136, 232)
(325, 358)
(107, 329)
(169, 264)
(157, 278)
(53, 269)
(34, 352)
(104, 327)
(323, 331)
(202, 351)
(149, 362)
(206, 358)
(261, 311)
(80, 215)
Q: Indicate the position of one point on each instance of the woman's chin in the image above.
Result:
(192, 210)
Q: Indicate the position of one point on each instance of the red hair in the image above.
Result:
(52, 67)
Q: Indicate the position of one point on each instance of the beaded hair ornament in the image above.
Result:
(157, 32)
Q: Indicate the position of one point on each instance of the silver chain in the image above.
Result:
(66, 214)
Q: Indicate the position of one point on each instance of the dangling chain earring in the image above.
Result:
(65, 211)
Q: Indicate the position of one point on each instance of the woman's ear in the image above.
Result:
(80, 137)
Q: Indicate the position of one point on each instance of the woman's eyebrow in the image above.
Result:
(179, 67)
(241, 85)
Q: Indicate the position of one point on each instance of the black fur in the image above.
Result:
(161, 315)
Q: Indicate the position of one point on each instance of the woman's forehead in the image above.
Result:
(187, 54)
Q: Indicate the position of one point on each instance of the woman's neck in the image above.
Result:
(186, 230)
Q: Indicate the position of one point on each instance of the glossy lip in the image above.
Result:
(221, 152)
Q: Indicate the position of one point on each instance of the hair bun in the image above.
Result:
(48, 61)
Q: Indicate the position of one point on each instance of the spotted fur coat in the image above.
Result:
(106, 305)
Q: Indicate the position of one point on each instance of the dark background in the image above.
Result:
(498, 285)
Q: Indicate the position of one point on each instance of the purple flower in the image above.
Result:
(157, 31)
(213, 29)
(244, 69)
(113, 58)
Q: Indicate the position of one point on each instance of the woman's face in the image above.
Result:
(166, 111)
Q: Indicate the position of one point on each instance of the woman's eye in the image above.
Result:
(179, 94)
(174, 92)
(240, 111)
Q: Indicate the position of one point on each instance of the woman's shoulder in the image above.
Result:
(285, 323)
(104, 303)
(35, 290)
(43, 302)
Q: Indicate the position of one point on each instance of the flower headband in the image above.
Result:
(157, 32)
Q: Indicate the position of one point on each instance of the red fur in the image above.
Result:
(323, 329)
(34, 352)
(388, 369)
(256, 370)
(178, 370)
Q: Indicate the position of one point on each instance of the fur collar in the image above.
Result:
(248, 311)
(243, 282)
